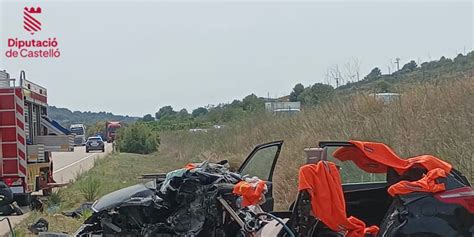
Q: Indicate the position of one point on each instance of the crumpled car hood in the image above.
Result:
(116, 198)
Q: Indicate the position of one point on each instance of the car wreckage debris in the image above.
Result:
(41, 225)
(79, 211)
(183, 203)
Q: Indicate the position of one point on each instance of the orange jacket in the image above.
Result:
(323, 183)
(425, 184)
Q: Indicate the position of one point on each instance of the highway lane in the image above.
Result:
(66, 166)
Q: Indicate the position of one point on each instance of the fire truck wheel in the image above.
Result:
(23, 199)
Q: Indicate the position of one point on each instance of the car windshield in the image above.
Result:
(349, 171)
(94, 139)
(77, 131)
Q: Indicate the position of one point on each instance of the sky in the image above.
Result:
(133, 57)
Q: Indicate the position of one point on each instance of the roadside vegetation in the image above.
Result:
(435, 119)
(138, 138)
(111, 173)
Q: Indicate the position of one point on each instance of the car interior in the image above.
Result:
(368, 201)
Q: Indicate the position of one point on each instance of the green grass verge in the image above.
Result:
(109, 174)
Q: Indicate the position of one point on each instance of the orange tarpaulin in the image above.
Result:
(323, 183)
(375, 157)
(425, 184)
(251, 194)
(190, 166)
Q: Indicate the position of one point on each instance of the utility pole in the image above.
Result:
(397, 61)
(388, 69)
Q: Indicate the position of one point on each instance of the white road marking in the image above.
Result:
(73, 163)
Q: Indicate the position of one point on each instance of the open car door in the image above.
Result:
(261, 163)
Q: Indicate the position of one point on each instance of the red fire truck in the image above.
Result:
(27, 138)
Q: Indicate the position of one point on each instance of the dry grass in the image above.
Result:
(110, 173)
(428, 119)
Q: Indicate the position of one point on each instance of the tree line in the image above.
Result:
(167, 118)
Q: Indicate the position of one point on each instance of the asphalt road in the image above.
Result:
(66, 165)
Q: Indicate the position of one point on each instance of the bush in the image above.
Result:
(55, 198)
(138, 138)
(90, 188)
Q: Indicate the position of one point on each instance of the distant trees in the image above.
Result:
(316, 93)
(164, 111)
(374, 74)
(183, 113)
(67, 117)
(148, 118)
(199, 112)
(409, 67)
(252, 103)
(311, 95)
(297, 90)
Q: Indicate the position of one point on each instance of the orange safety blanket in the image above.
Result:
(251, 194)
(323, 183)
(425, 184)
(376, 157)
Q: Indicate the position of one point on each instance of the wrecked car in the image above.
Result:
(349, 188)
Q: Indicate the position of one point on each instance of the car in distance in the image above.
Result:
(95, 144)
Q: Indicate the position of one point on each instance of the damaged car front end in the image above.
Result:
(197, 200)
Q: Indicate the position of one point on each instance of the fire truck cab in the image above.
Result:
(28, 138)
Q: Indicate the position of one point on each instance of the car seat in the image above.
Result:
(317, 180)
(304, 223)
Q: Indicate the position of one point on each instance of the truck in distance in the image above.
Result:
(111, 128)
(79, 131)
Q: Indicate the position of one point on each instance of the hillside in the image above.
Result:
(310, 96)
(428, 119)
(432, 71)
(67, 117)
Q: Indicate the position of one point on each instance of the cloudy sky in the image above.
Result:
(132, 57)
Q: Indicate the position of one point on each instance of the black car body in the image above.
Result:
(95, 144)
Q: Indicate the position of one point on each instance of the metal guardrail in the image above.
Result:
(9, 225)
